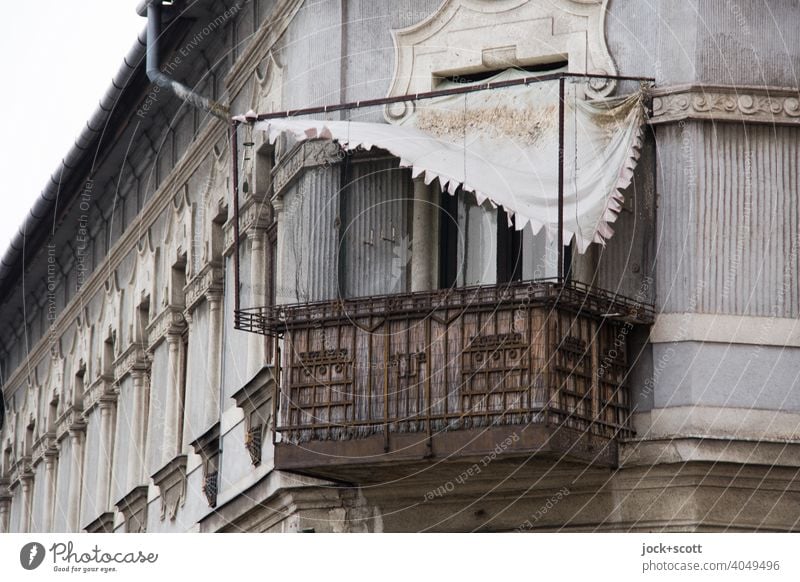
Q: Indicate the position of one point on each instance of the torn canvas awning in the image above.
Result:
(502, 145)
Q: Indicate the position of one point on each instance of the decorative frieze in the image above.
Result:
(308, 154)
(44, 446)
(104, 389)
(171, 481)
(252, 215)
(133, 358)
(170, 321)
(70, 420)
(20, 471)
(210, 279)
(772, 105)
(134, 509)
(255, 399)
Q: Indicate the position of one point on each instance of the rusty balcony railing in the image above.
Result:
(422, 365)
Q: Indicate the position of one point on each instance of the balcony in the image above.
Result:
(520, 369)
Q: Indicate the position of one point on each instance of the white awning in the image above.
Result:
(502, 145)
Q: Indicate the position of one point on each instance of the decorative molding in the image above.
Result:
(253, 215)
(255, 399)
(210, 279)
(133, 358)
(207, 446)
(71, 420)
(307, 154)
(104, 389)
(743, 104)
(470, 36)
(267, 87)
(134, 509)
(103, 524)
(170, 321)
(171, 482)
(21, 471)
(45, 446)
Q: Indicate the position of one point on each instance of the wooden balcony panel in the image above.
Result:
(408, 378)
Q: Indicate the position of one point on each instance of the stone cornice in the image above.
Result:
(103, 524)
(44, 447)
(210, 279)
(253, 215)
(21, 471)
(742, 104)
(71, 420)
(306, 154)
(133, 507)
(101, 390)
(170, 321)
(133, 358)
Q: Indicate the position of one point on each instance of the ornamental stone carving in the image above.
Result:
(171, 481)
(133, 358)
(210, 279)
(170, 320)
(500, 34)
(255, 400)
(134, 509)
(307, 154)
(730, 104)
(207, 446)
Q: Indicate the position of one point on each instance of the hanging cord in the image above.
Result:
(464, 180)
(575, 155)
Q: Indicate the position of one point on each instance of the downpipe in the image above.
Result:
(154, 73)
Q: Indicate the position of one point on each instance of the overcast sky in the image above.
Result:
(57, 59)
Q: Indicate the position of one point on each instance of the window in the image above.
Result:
(448, 240)
(509, 250)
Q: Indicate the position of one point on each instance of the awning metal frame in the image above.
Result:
(250, 119)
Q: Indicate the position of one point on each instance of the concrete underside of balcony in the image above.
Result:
(661, 485)
(374, 459)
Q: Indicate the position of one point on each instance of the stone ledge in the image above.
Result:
(727, 329)
(713, 422)
(697, 449)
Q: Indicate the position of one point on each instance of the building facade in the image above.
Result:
(394, 366)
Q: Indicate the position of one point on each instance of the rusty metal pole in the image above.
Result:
(235, 188)
(560, 240)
